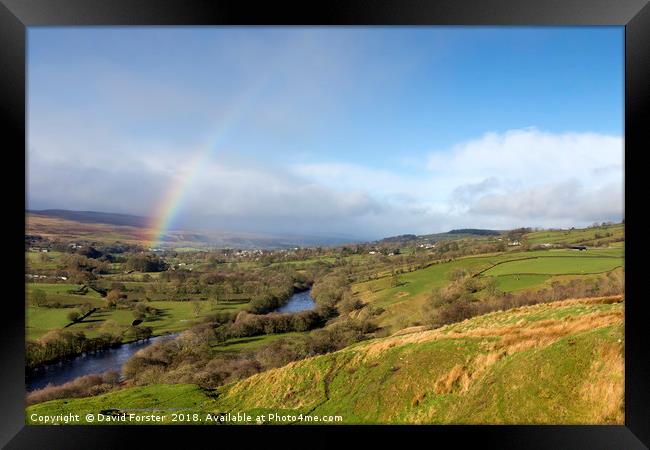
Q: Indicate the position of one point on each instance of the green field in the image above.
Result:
(587, 235)
(41, 320)
(178, 316)
(555, 265)
(414, 283)
(173, 316)
(39, 260)
(553, 363)
(380, 293)
(567, 253)
(403, 303)
(509, 283)
(61, 289)
(59, 293)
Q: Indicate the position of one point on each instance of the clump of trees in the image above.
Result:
(349, 303)
(141, 311)
(59, 344)
(115, 297)
(79, 313)
(39, 297)
(247, 324)
(84, 386)
(145, 263)
(138, 333)
(453, 302)
(77, 265)
(268, 302)
(93, 253)
(264, 288)
(331, 288)
(190, 359)
(338, 335)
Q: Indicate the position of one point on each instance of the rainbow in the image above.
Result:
(170, 205)
(167, 209)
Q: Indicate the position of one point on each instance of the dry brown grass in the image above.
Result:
(409, 330)
(515, 337)
(518, 338)
(453, 380)
(460, 377)
(605, 386)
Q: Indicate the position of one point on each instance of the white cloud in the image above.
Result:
(500, 180)
(565, 202)
(529, 153)
(534, 177)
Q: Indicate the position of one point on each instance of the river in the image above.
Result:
(113, 358)
(300, 301)
(86, 364)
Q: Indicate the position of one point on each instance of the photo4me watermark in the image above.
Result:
(160, 418)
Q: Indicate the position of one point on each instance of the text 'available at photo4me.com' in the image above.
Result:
(239, 418)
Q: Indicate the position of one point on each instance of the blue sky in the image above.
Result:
(358, 131)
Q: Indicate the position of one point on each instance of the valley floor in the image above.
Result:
(559, 362)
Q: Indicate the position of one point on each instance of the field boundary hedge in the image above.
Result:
(80, 319)
(557, 274)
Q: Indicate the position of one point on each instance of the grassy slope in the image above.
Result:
(586, 235)
(403, 303)
(554, 363)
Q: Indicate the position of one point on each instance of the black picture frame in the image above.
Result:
(634, 15)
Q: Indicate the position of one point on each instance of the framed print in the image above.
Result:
(300, 223)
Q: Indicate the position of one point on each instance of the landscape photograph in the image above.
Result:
(325, 226)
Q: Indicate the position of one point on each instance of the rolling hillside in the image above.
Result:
(94, 217)
(514, 270)
(109, 228)
(611, 235)
(558, 362)
(463, 233)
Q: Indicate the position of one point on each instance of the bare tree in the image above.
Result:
(196, 308)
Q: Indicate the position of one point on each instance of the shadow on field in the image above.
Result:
(163, 313)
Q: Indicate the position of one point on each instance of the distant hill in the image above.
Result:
(111, 227)
(475, 231)
(400, 238)
(94, 217)
(461, 233)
